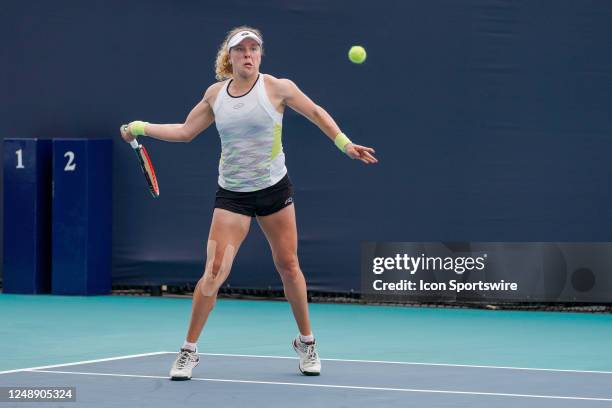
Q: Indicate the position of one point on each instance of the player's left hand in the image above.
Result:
(365, 154)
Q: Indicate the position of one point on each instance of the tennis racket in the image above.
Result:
(146, 166)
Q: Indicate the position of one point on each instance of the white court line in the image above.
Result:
(325, 359)
(412, 363)
(351, 387)
(85, 362)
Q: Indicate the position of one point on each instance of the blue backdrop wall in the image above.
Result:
(491, 120)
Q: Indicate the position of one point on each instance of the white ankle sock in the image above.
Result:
(190, 346)
(307, 339)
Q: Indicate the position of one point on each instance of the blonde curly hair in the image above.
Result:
(223, 66)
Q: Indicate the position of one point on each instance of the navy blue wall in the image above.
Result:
(491, 120)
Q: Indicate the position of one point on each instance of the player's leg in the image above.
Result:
(227, 231)
(281, 231)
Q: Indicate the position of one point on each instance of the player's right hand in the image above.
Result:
(125, 133)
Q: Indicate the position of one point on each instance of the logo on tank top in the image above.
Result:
(238, 105)
(289, 200)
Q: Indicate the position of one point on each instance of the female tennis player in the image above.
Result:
(247, 108)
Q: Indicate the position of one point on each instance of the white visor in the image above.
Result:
(239, 36)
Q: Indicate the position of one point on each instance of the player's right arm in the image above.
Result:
(200, 117)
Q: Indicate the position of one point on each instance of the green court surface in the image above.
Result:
(45, 330)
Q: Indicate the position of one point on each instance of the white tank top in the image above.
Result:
(250, 129)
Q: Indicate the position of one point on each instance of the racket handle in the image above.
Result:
(134, 144)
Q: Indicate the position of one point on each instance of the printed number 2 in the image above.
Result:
(70, 165)
(19, 154)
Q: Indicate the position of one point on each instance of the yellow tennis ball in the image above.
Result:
(357, 54)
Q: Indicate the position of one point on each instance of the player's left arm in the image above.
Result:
(293, 97)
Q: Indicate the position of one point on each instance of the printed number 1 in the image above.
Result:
(19, 154)
(70, 165)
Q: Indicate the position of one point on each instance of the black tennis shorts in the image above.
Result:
(261, 202)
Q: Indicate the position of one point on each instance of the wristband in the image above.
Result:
(341, 141)
(137, 128)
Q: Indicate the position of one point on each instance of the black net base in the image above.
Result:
(186, 291)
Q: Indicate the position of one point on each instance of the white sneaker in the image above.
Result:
(185, 362)
(310, 364)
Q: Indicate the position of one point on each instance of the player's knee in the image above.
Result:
(218, 264)
(200, 288)
(288, 267)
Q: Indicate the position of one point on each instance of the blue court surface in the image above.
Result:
(265, 381)
(117, 351)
